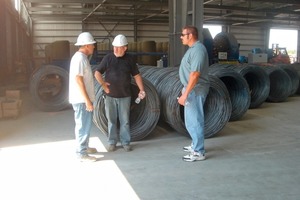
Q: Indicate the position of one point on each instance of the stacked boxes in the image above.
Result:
(10, 104)
(1, 112)
(257, 58)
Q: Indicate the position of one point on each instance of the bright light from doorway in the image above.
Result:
(17, 5)
(285, 38)
(213, 29)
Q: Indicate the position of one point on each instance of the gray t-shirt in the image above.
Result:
(80, 65)
(195, 59)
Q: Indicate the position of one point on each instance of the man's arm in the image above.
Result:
(88, 103)
(100, 80)
(139, 81)
(193, 79)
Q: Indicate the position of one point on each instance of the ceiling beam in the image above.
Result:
(278, 1)
(121, 2)
(84, 10)
(60, 17)
(237, 8)
(211, 17)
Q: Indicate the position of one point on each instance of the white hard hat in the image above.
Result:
(84, 39)
(119, 41)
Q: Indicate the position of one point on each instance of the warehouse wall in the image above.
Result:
(249, 38)
(15, 48)
(45, 33)
(3, 60)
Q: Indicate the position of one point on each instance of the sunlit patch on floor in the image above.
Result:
(51, 171)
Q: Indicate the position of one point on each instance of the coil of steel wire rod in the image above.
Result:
(280, 84)
(237, 87)
(49, 88)
(157, 77)
(257, 79)
(217, 106)
(293, 74)
(258, 82)
(143, 116)
(296, 66)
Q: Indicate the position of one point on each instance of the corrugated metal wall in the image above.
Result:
(18, 43)
(15, 48)
(3, 60)
(46, 33)
(250, 37)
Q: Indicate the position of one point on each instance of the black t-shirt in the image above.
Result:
(118, 72)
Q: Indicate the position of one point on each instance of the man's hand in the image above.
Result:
(142, 94)
(182, 100)
(89, 106)
(105, 86)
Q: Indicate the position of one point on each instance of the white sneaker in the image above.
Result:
(188, 149)
(87, 158)
(194, 156)
(91, 150)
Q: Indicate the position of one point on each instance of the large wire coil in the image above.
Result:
(143, 116)
(237, 87)
(293, 74)
(48, 87)
(296, 66)
(217, 106)
(258, 82)
(280, 84)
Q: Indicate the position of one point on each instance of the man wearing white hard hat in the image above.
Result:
(118, 68)
(82, 95)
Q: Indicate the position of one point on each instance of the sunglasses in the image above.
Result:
(182, 34)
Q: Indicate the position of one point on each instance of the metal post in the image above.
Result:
(182, 13)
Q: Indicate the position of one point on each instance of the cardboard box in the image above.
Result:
(10, 104)
(1, 109)
(13, 94)
(11, 113)
(11, 108)
(257, 58)
(1, 114)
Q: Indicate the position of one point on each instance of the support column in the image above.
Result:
(3, 59)
(182, 13)
(298, 48)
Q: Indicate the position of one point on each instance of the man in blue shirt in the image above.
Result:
(193, 73)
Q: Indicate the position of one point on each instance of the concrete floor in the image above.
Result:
(256, 158)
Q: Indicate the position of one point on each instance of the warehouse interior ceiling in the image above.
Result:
(221, 12)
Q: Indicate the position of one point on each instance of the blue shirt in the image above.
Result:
(195, 59)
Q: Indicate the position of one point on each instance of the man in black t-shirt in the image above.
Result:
(118, 68)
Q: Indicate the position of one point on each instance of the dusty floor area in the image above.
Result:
(256, 157)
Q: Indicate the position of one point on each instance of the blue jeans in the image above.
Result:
(194, 120)
(83, 125)
(118, 108)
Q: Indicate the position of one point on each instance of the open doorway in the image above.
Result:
(284, 39)
(213, 29)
